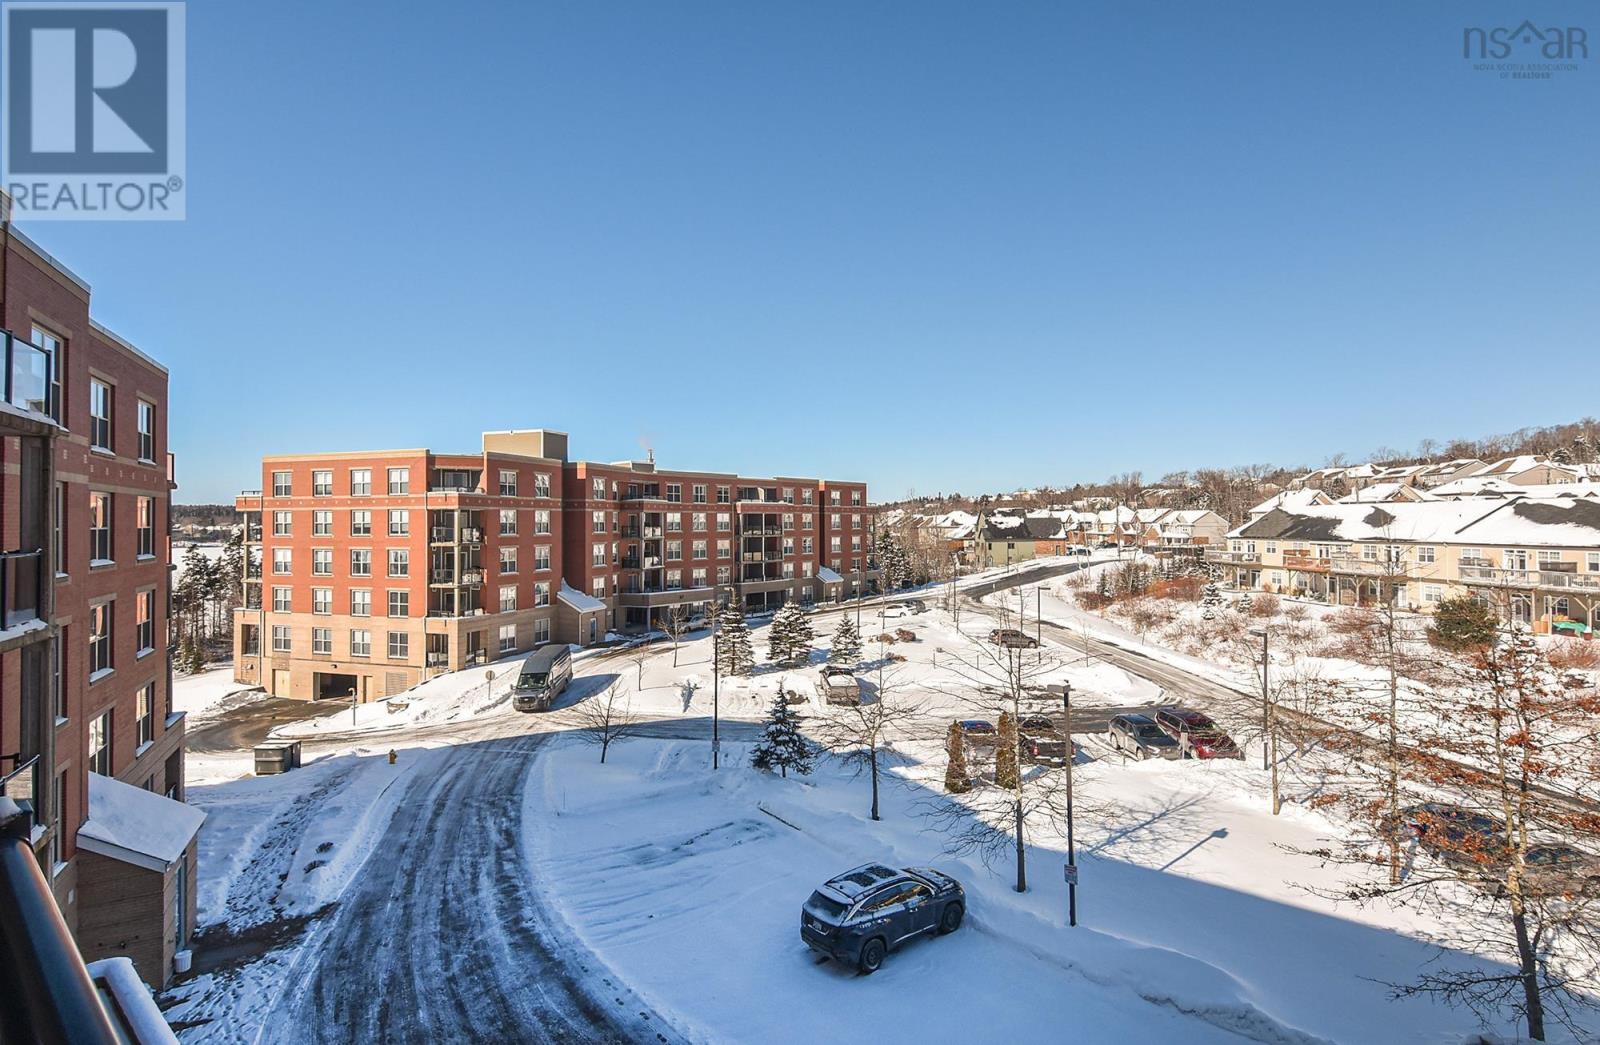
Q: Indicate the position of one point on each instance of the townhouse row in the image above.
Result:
(367, 572)
(1536, 560)
(1005, 536)
(90, 741)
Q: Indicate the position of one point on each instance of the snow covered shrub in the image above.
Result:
(1573, 655)
(1265, 605)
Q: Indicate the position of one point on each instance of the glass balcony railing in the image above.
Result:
(27, 375)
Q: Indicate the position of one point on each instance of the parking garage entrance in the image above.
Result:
(329, 685)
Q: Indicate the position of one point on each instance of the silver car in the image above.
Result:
(1139, 736)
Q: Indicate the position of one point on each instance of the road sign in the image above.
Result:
(1071, 873)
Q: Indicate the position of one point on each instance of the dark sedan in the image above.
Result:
(863, 914)
(1043, 742)
(1453, 834)
(1196, 734)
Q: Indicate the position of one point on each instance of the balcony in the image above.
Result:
(1560, 580)
(27, 376)
(22, 580)
(650, 531)
(761, 531)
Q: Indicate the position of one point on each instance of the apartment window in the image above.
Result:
(1425, 554)
(674, 522)
(282, 484)
(508, 560)
(508, 598)
(54, 348)
(61, 529)
(1432, 593)
(805, 521)
(805, 546)
(361, 562)
(788, 495)
(282, 524)
(360, 602)
(399, 562)
(698, 522)
(281, 599)
(361, 523)
(322, 600)
(1593, 565)
(599, 486)
(541, 593)
(598, 553)
(698, 549)
(99, 415)
(100, 621)
(674, 579)
(282, 561)
(145, 527)
(508, 638)
(399, 522)
(805, 496)
(508, 482)
(322, 562)
(674, 549)
(855, 496)
(788, 546)
(724, 549)
(360, 642)
(835, 497)
(100, 744)
(144, 621)
(837, 521)
(699, 577)
(99, 529)
(675, 492)
(855, 522)
(788, 520)
(1271, 548)
(399, 645)
(399, 603)
(280, 638)
(541, 630)
(836, 545)
(399, 480)
(699, 493)
(361, 482)
(147, 431)
(724, 522)
(322, 641)
(321, 523)
(541, 557)
(145, 713)
(508, 522)
(598, 522)
(541, 485)
(1548, 558)
(724, 574)
(322, 483)
(599, 587)
(541, 521)
(855, 544)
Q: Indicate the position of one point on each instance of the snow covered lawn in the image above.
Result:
(689, 884)
(205, 693)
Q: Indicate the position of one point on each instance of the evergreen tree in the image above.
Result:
(1582, 449)
(1005, 753)
(1561, 455)
(783, 748)
(846, 643)
(895, 560)
(790, 639)
(734, 655)
(1462, 623)
(1211, 600)
(956, 779)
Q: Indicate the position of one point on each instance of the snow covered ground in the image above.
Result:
(1196, 923)
(207, 693)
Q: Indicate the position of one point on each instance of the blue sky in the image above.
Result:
(932, 245)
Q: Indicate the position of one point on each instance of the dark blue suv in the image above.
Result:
(864, 913)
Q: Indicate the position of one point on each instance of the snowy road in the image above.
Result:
(444, 932)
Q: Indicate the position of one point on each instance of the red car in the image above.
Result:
(1196, 734)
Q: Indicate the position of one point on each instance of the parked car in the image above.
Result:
(916, 606)
(1043, 742)
(840, 686)
(1011, 638)
(1559, 868)
(978, 739)
(893, 610)
(1452, 833)
(1139, 736)
(545, 673)
(863, 914)
(1196, 734)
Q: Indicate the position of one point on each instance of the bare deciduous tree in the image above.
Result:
(605, 718)
(858, 733)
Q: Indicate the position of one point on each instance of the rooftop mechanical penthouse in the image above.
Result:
(368, 572)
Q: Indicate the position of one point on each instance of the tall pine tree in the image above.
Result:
(783, 748)
(790, 636)
(957, 780)
(734, 655)
(846, 648)
(1005, 753)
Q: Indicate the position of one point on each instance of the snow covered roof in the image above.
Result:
(1291, 500)
(827, 576)
(1387, 491)
(1561, 522)
(136, 826)
(1510, 466)
(578, 600)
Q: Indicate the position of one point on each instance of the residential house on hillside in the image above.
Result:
(1184, 530)
(1388, 491)
(1534, 560)
(1290, 500)
(1531, 470)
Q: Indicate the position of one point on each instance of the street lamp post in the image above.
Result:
(1072, 850)
(1269, 741)
(716, 680)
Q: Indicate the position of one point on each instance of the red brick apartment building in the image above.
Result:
(371, 571)
(88, 736)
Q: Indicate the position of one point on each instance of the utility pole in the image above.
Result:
(1269, 740)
